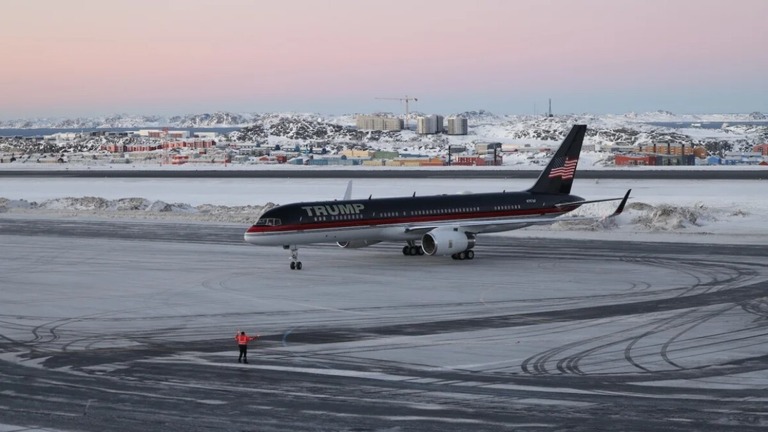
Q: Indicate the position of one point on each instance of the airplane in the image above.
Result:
(433, 225)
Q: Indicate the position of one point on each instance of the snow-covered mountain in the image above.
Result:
(216, 119)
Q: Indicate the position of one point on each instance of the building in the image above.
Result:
(179, 159)
(429, 124)
(477, 160)
(457, 125)
(634, 160)
(205, 135)
(709, 160)
(118, 147)
(359, 154)
(678, 149)
(332, 160)
(190, 144)
(379, 123)
(383, 154)
(158, 133)
(739, 158)
(249, 148)
(671, 153)
(415, 162)
(200, 145)
(654, 159)
(483, 148)
(762, 149)
(142, 147)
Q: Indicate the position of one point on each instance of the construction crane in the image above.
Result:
(407, 100)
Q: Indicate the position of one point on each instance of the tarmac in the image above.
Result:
(125, 325)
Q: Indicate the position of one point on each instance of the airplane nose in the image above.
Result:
(250, 237)
(254, 235)
(249, 234)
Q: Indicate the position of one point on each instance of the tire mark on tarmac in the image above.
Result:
(701, 320)
(324, 336)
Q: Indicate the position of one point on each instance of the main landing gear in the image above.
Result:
(295, 263)
(467, 254)
(411, 249)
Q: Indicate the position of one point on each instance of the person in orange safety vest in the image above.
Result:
(242, 342)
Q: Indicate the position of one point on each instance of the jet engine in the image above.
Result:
(446, 241)
(356, 244)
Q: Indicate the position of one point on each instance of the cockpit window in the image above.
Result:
(268, 222)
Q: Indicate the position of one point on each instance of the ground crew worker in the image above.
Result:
(242, 342)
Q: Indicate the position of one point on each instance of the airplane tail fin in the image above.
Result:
(557, 177)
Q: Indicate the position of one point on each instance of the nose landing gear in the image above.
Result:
(295, 263)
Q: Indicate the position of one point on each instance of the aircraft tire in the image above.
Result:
(419, 251)
(293, 265)
(298, 265)
(406, 249)
(470, 254)
(413, 250)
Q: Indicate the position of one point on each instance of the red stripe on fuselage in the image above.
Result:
(356, 223)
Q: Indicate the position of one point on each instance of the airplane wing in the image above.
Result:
(495, 225)
(586, 202)
(498, 225)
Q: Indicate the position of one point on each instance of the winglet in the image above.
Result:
(623, 202)
(348, 193)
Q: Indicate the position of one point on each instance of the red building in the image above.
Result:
(625, 160)
(761, 148)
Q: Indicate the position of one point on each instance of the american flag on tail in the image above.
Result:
(563, 167)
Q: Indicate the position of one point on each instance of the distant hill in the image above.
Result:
(604, 130)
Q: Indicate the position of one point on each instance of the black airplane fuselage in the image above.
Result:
(348, 220)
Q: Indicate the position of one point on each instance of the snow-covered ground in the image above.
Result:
(722, 211)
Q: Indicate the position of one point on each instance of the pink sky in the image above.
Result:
(89, 57)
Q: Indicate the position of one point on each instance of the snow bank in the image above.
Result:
(648, 217)
(134, 208)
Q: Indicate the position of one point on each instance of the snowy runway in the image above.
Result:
(131, 322)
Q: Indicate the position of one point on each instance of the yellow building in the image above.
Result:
(359, 154)
(415, 162)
